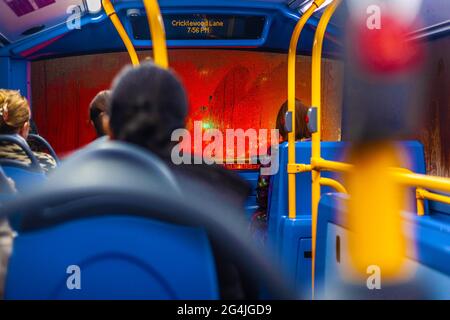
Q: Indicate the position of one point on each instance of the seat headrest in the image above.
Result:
(113, 164)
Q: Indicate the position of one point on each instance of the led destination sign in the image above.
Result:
(201, 26)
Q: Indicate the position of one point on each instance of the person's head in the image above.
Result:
(14, 113)
(98, 112)
(147, 104)
(301, 128)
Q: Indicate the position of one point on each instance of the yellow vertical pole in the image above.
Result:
(420, 202)
(157, 33)
(292, 55)
(111, 13)
(316, 137)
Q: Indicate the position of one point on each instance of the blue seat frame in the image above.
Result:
(291, 238)
(26, 177)
(427, 256)
(120, 257)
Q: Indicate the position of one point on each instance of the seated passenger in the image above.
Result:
(15, 119)
(259, 218)
(147, 104)
(98, 112)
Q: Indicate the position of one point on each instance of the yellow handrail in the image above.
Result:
(292, 55)
(298, 168)
(333, 184)
(422, 181)
(316, 137)
(422, 194)
(157, 33)
(327, 165)
(111, 13)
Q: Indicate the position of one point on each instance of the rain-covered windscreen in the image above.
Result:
(227, 89)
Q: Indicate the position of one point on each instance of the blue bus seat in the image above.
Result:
(439, 207)
(42, 143)
(7, 190)
(26, 177)
(278, 206)
(124, 165)
(5, 185)
(289, 237)
(118, 256)
(116, 213)
(25, 180)
(426, 257)
(251, 176)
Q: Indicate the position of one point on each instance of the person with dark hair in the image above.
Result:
(301, 126)
(260, 217)
(98, 112)
(147, 104)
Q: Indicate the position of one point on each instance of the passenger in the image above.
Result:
(260, 217)
(98, 109)
(15, 119)
(147, 104)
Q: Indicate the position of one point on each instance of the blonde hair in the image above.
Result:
(14, 111)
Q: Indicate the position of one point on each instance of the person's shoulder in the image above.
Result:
(229, 178)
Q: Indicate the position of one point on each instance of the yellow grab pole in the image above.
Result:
(316, 137)
(321, 164)
(420, 202)
(157, 33)
(111, 13)
(422, 181)
(425, 194)
(292, 55)
(422, 194)
(333, 184)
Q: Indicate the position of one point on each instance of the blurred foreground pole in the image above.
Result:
(383, 97)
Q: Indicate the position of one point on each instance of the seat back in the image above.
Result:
(111, 223)
(426, 259)
(426, 253)
(42, 143)
(278, 197)
(114, 163)
(251, 177)
(5, 185)
(118, 254)
(26, 177)
(439, 207)
(413, 158)
(112, 257)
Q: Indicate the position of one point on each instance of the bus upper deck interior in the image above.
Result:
(364, 202)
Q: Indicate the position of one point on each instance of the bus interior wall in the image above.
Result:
(434, 130)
